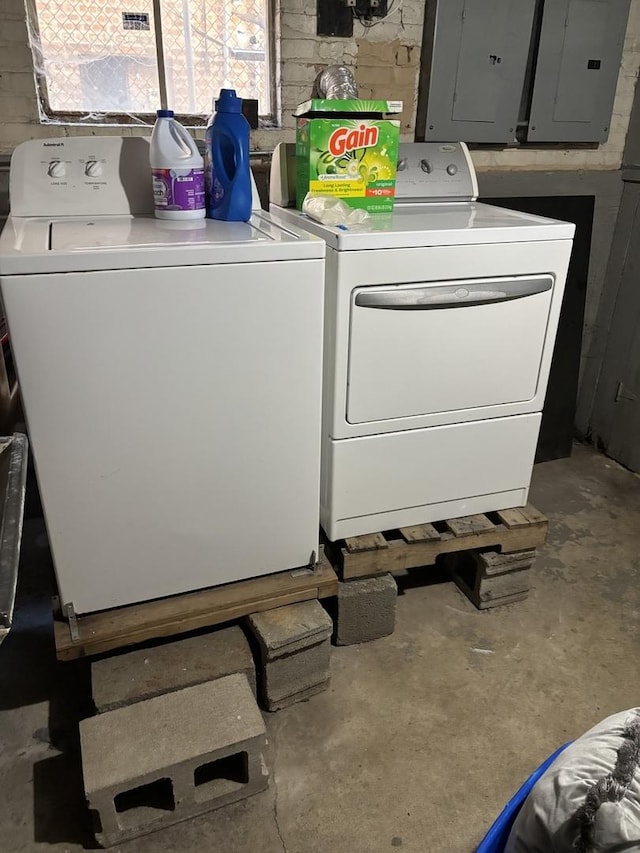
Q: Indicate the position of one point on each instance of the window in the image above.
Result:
(113, 61)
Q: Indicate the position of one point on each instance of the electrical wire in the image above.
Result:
(396, 6)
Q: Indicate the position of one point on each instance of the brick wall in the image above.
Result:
(385, 59)
(386, 62)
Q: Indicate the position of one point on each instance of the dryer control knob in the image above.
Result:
(452, 169)
(402, 164)
(56, 169)
(426, 166)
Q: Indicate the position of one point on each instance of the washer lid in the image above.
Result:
(73, 244)
(433, 224)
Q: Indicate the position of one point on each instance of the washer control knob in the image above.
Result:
(402, 164)
(452, 169)
(56, 169)
(426, 166)
(93, 169)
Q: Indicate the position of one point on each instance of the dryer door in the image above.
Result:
(434, 347)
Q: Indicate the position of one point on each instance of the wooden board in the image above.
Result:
(494, 563)
(419, 533)
(415, 550)
(534, 515)
(371, 542)
(137, 623)
(490, 589)
(513, 518)
(469, 524)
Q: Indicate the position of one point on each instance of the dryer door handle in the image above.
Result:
(455, 295)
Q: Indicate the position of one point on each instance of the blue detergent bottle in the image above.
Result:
(227, 173)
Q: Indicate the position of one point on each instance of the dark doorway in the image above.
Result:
(558, 416)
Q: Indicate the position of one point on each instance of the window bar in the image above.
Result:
(162, 75)
(189, 57)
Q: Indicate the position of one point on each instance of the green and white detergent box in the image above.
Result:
(348, 149)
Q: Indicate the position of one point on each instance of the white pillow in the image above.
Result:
(588, 801)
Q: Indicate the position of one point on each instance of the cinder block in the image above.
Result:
(302, 696)
(295, 649)
(295, 674)
(366, 609)
(166, 759)
(289, 629)
(144, 673)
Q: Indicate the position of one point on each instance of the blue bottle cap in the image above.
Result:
(228, 102)
(164, 113)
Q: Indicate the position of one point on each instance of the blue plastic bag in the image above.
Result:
(495, 840)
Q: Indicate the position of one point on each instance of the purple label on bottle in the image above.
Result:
(214, 189)
(178, 189)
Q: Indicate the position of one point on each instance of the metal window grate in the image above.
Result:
(96, 58)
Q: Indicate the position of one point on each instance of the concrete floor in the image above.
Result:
(422, 737)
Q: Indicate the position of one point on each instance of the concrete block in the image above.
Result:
(302, 696)
(295, 650)
(144, 673)
(294, 673)
(366, 609)
(299, 48)
(166, 759)
(289, 629)
(296, 25)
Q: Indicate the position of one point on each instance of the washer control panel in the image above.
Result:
(433, 171)
(80, 176)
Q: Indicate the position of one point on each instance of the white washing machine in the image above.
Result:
(440, 323)
(170, 373)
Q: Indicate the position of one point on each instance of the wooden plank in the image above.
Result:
(513, 518)
(493, 563)
(534, 515)
(469, 524)
(420, 533)
(399, 556)
(511, 583)
(505, 599)
(136, 623)
(369, 542)
(487, 592)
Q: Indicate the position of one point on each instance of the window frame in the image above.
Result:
(111, 118)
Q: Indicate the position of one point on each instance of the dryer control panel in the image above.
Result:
(435, 171)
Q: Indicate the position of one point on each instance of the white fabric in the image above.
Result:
(545, 823)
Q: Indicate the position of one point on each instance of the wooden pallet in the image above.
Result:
(137, 623)
(412, 547)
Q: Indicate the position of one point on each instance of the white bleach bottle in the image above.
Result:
(178, 170)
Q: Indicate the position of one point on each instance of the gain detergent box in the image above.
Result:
(348, 149)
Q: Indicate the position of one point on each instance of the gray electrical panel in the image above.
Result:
(474, 62)
(577, 69)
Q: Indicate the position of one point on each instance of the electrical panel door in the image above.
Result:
(579, 56)
(473, 86)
